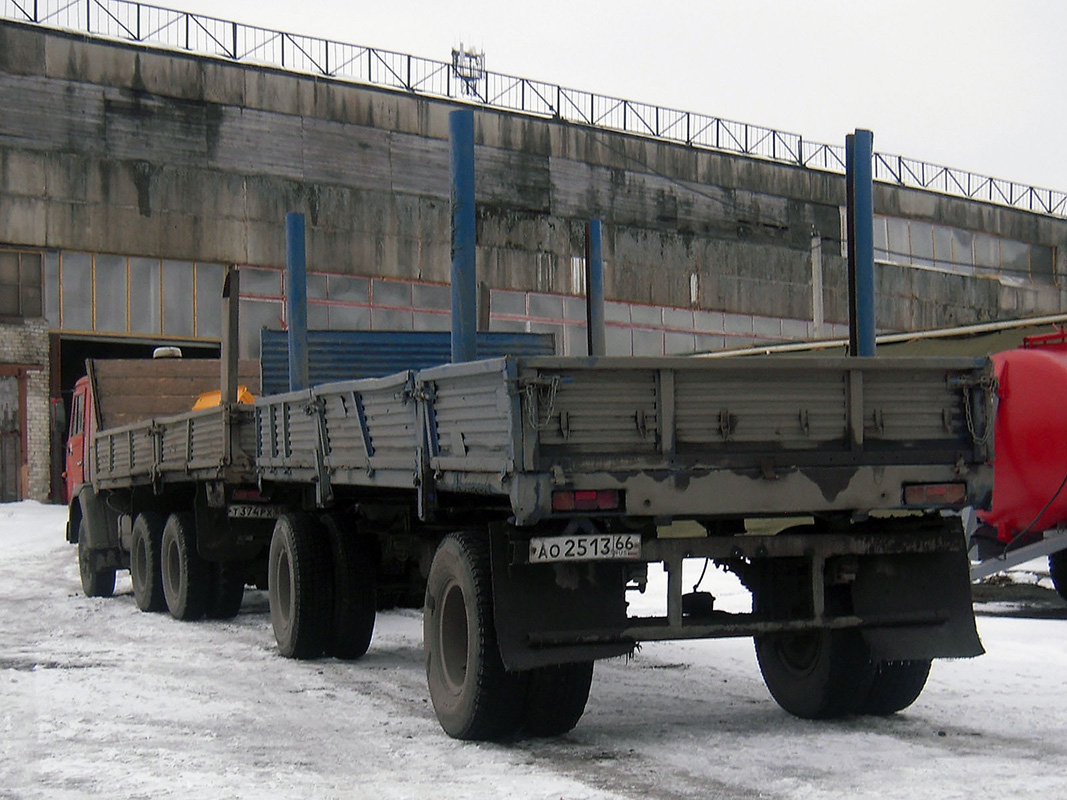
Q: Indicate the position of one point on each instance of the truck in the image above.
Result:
(520, 500)
(118, 393)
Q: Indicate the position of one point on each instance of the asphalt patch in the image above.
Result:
(1002, 597)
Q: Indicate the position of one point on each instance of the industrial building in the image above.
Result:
(134, 169)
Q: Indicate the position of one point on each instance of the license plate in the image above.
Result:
(585, 547)
(253, 511)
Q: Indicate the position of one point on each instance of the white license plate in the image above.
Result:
(585, 547)
(253, 511)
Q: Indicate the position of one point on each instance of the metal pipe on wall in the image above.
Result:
(594, 288)
(464, 275)
(296, 296)
(859, 178)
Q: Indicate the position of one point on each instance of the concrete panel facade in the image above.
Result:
(112, 148)
(121, 149)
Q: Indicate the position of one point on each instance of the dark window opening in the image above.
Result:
(21, 292)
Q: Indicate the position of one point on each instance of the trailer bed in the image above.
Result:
(210, 444)
(678, 437)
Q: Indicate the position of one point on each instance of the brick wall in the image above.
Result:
(25, 344)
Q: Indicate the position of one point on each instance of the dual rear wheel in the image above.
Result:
(830, 673)
(474, 696)
(169, 573)
(320, 581)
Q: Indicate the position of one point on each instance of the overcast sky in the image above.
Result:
(973, 84)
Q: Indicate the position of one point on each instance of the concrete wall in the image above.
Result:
(115, 148)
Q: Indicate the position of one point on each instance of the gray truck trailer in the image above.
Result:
(519, 501)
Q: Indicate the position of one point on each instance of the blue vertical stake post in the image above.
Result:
(464, 276)
(594, 288)
(859, 153)
(296, 300)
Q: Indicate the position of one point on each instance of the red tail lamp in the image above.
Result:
(586, 500)
(935, 494)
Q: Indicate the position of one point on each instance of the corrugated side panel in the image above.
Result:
(346, 355)
(392, 424)
(344, 432)
(196, 442)
(301, 433)
(912, 406)
(602, 411)
(286, 435)
(473, 421)
(369, 423)
(111, 455)
(123, 453)
(792, 410)
(267, 444)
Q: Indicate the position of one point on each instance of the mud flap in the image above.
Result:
(547, 601)
(936, 583)
(100, 533)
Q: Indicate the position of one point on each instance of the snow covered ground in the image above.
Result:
(100, 700)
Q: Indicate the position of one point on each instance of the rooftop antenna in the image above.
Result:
(469, 66)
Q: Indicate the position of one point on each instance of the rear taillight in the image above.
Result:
(248, 496)
(586, 500)
(935, 494)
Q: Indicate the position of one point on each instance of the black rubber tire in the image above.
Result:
(895, 686)
(1057, 569)
(556, 698)
(95, 583)
(146, 544)
(298, 586)
(818, 674)
(186, 578)
(226, 590)
(474, 696)
(354, 603)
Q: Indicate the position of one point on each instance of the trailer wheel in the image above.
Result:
(146, 546)
(96, 582)
(185, 573)
(473, 695)
(896, 685)
(818, 674)
(1057, 568)
(298, 586)
(226, 590)
(556, 698)
(354, 603)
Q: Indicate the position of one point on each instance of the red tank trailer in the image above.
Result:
(1030, 445)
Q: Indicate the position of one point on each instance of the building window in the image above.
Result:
(120, 294)
(920, 244)
(545, 272)
(20, 284)
(578, 275)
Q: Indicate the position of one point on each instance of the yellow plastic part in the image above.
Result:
(212, 399)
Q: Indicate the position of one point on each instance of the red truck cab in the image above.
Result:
(79, 434)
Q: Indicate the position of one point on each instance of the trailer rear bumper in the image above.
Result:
(906, 583)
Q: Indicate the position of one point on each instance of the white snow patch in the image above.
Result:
(100, 700)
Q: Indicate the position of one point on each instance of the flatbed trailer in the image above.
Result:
(519, 500)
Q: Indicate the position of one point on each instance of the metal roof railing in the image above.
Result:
(196, 33)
